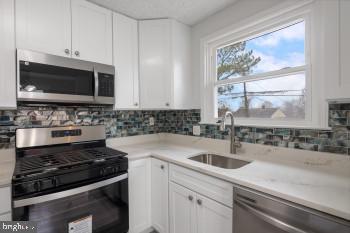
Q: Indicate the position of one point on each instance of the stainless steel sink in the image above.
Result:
(219, 161)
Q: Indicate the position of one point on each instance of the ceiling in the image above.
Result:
(186, 11)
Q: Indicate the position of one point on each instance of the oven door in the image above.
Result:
(100, 207)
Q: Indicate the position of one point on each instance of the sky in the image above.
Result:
(277, 50)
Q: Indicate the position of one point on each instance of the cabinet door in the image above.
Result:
(5, 194)
(155, 63)
(44, 26)
(182, 211)
(160, 214)
(7, 55)
(213, 216)
(139, 195)
(6, 217)
(344, 48)
(125, 51)
(91, 32)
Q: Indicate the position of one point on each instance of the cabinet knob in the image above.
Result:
(66, 51)
(167, 104)
(162, 167)
(136, 104)
(77, 53)
(190, 198)
(199, 202)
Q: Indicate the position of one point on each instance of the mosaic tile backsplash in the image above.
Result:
(129, 123)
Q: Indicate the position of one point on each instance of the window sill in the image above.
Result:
(270, 125)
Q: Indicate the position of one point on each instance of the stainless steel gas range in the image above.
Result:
(66, 179)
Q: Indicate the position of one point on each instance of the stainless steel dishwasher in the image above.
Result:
(255, 212)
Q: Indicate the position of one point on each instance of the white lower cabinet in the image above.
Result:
(182, 209)
(6, 217)
(213, 216)
(191, 212)
(139, 195)
(174, 199)
(5, 200)
(159, 191)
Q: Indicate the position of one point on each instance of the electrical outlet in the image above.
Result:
(196, 130)
(151, 121)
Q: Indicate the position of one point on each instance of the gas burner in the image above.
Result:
(38, 164)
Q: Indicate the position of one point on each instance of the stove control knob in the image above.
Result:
(109, 170)
(54, 182)
(102, 172)
(36, 186)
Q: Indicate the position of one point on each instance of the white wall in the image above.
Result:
(229, 16)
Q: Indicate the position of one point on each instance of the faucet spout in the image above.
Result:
(234, 143)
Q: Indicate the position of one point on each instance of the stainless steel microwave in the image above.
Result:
(48, 78)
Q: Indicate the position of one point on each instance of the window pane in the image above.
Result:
(270, 52)
(275, 98)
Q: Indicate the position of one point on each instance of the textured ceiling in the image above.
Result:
(187, 11)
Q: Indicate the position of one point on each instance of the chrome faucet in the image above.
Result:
(234, 140)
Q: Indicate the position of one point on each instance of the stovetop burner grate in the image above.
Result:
(40, 163)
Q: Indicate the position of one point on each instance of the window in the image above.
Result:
(271, 69)
(263, 76)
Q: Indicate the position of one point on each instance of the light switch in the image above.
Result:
(196, 130)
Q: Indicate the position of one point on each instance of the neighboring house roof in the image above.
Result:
(261, 113)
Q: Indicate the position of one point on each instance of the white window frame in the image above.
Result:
(252, 28)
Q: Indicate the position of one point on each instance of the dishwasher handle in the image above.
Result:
(269, 219)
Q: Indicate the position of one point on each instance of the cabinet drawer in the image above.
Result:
(216, 189)
(157, 163)
(5, 201)
(6, 217)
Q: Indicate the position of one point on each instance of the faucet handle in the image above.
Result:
(222, 124)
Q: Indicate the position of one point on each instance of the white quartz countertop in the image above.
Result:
(301, 184)
(311, 179)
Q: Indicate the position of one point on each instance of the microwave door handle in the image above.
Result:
(96, 83)
(67, 193)
(269, 219)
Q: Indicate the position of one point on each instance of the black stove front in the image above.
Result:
(71, 182)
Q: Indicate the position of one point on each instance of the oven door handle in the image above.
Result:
(269, 219)
(67, 193)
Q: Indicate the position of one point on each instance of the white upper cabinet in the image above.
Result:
(344, 49)
(165, 75)
(125, 53)
(91, 32)
(44, 26)
(155, 39)
(71, 28)
(7, 55)
(337, 49)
